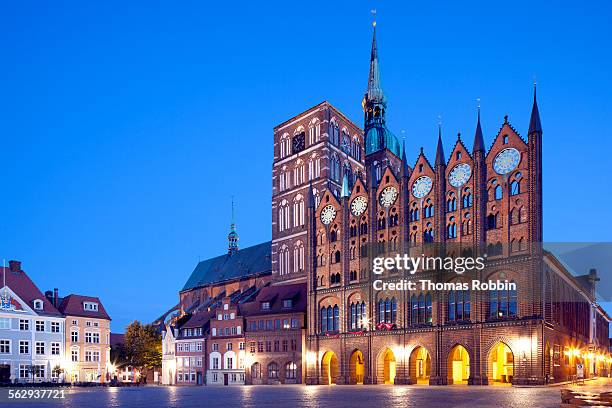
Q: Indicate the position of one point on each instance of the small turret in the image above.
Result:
(534, 123)
(232, 237)
(440, 160)
(479, 145)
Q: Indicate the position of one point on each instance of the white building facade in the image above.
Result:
(31, 331)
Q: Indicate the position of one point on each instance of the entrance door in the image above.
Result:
(199, 378)
(5, 373)
(225, 379)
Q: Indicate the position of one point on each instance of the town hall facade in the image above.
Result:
(342, 194)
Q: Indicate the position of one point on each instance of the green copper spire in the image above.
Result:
(377, 136)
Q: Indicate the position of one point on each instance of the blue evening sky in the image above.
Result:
(126, 127)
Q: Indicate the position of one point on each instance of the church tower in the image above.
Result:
(382, 147)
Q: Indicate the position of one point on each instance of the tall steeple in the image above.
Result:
(440, 160)
(374, 92)
(232, 237)
(534, 122)
(377, 136)
(479, 145)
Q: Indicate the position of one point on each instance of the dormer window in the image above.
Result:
(287, 303)
(38, 304)
(225, 306)
(265, 305)
(90, 306)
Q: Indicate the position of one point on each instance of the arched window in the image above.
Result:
(298, 257)
(290, 370)
(283, 260)
(283, 215)
(451, 228)
(498, 192)
(314, 131)
(459, 305)
(336, 256)
(284, 179)
(336, 318)
(314, 167)
(334, 131)
(414, 307)
(298, 172)
(335, 167)
(503, 303)
(298, 211)
(273, 371)
(428, 309)
(357, 316)
(451, 204)
(421, 308)
(467, 198)
(285, 145)
(491, 221)
(387, 310)
(256, 370)
(515, 187)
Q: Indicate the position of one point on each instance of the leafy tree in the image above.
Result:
(142, 347)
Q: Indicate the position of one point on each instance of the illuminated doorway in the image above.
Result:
(356, 367)
(420, 366)
(389, 367)
(458, 365)
(501, 364)
(329, 368)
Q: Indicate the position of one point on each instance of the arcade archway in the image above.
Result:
(420, 365)
(389, 367)
(356, 367)
(458, 365)
(329, 368)
(501, 364)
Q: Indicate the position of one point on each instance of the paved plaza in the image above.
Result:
(314, 396)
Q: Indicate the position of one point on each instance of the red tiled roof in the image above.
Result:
(20, 283)
(275, 294)
(72, 305)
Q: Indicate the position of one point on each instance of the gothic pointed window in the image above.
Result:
(283, 260)
(498, 192)
(298, 257)
(515, 187)
(298, 211)
(283, 215)
(285, 145)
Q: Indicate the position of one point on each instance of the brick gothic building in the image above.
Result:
(339, 192)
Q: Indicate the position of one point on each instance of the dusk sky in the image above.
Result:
(126, 127)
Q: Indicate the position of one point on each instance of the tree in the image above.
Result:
(143, 347)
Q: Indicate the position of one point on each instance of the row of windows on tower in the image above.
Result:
(296, 177)
(337, 137)
(501, 304)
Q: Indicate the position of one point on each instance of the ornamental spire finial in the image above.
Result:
(232, 237)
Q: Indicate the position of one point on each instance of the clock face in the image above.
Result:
(298, 142)
(506, 161)
(346, 144)
(328, 214)
(459, 175)
(359, 205)
(388, 196)
(421, 187)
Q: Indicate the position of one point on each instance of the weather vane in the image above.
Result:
(478, 103)
(439, 120)
(373, 11)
